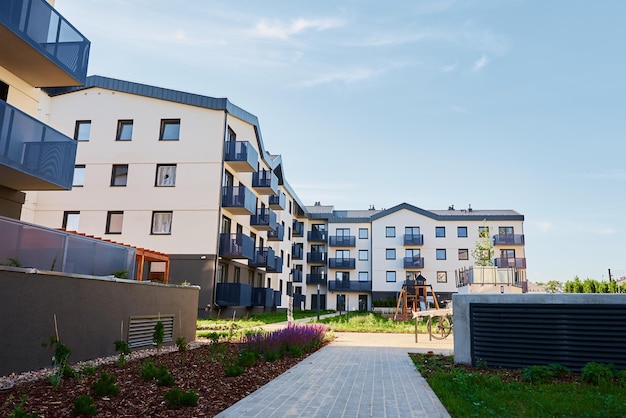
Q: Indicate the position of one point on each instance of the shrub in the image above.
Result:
(159, 335)
(124, 350)
(176, 397)
(181, 343)
(559, 370)
(247, 358)
(60, 356)
(597, 373)
(83, 405)
(105, 386)
(88, 370)
(234, 370)
(538, 374)
(20, 412)
(149, 371)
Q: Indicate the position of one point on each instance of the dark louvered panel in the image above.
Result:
(521, 335)
(141, 329)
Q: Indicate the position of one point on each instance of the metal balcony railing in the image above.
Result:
(276, 266)
(296, 252)
(239, 200)
(265, 182)
(413, 262)
(519, 263)
(298, 228)
(278, 201)
(317, 236)
(264, 219)
(296, 275)
(316, 257)
(276, 235)
(316, 278)
(233, 294)
(508, 239)
(342, 241)
(236, 246)
(349, 285)
(241, 156)
(265, 257)
(341, 263)
(413, 239)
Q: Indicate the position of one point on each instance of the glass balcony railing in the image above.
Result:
(278, 201)
(241, 156)
(341, 263)
(264, 219)
(413, 239)
(349, 285)
(298, 228)
(236, 246)
(297, 275)
(265, 257)
(296, 252)
(508, 239)
(276, 235)
(316, 257)
(342, 241)
(265, 182)
(317, 236)
(276, 266)
(40, 45)
(239, 199)
(233, 294)
(413, 262)
(33, 156)
(519, 263)
(316, 278)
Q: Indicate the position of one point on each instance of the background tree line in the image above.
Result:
(583, 286)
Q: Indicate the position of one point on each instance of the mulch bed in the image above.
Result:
(200, 369)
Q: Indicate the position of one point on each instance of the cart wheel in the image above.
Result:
(439, 327)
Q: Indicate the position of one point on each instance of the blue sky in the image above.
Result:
(497, 104)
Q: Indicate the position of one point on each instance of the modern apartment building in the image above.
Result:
(189, 176)
(38, 48)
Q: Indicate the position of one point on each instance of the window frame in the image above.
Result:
(459, 231)
(115, 175)
(438, 230)
(66, 216)
(390, 254)
(165, 123)
(78, 130)
(466, 251)
(110, 215)
(390, 232)
(82, 167)
(365, 274)
(443, 274)
(363, 233)
(161, 212)
(121, 124)
(366, 252)
(156, 177)
(440, 251)
(389, 274)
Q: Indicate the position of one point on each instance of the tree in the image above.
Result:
(483, 251)
(554, 286)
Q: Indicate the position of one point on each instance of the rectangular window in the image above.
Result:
(483, 231)
(114, 222)
(442, 277)
(342, 232)
(162, 223)
(461, 231)
(79, 176)
(440, 231)
(441, 254)
(170, 130)
(363, 255)
(364, 276)
(82, 130)
(165, 175)
(124, 130)
(70, 220)
(390, 231)
(463, 254)
(363, 233)
(119, 175)
(390, 276)
(390, 253)
(505, 230)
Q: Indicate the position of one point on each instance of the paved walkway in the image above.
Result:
(357, 375)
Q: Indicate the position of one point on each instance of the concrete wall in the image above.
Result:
(91, 314)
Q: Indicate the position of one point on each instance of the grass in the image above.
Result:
(372, 322)
(488, 392)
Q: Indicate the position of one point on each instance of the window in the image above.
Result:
(442, 277)
(390, 253)
(441, 254)
(342, 276)
(363, 255)
(483, 231)
(440, 231)
(70, 220)
(165, 175)
(363, 233)
(461, 231)
(507, 253)
(170, 130)
(4, 91)
(79, 176)
(124, 130)
(342, 254)
(391, 276)
(82, 130)
(237, 275)
(119, 175)
(342, 232)
(463, 254)
(114, 222)
(390, 231)
(161, 223)
(505, 230)
(364, 276)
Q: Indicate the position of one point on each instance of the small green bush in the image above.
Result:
(105, 386)
(247, 358)
(164, 378)
(559, 370)
(124, 350)
(20, 412)
(88, 370)
(181, 343)
(234, 370)
(537, 374)
(149, 371)
(597, 374)
(83, 405)
(176, 397)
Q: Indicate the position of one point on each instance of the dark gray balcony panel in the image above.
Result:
(342, 241)
(277, 298)
(40, 45)
(262, 296)
(265, 257)
(315, 278)
(277, 235)
(298, 228)
(519, 263)
(341, 263)
(413, 239)
(316, 257)
(508, 239)
(241, 156)
(233, 294)
(297, 275)
(317, 236)
(413, 262)
(265, 182)
(349, 286)
(296, 252)
(264, 219)
(277, 266)
(298, 301)
(278, 201)
(33, 156)
(239, 200)
(236, 246)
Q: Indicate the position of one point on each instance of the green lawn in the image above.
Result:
(488, 392)
(371, 322)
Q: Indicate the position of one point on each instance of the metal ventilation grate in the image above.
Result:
(516, 336)
(141, 329)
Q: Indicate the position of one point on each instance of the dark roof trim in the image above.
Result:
(460, 217)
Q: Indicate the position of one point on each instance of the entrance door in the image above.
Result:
(362, 303)
(341, 303)
(314, 302)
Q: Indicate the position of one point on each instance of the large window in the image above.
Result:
(79, 176)
(124, 130)
(463, 254)
(505, 230)
(119, 175)
(390, 231)
(461, 231)
(390, 276)
(114, 222)
(161, 223)
(364, 276)
(390, 253)
(82, 130)
(70, 220)
(440, 231)
(170, 130)
(363, 233)
(165, 175)
(363, 255)
(441, 254)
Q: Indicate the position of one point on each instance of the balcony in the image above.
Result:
(265, 182)
(262, 296)
(349, 286)
(519, 263)
(276, 266)
(241, 156)
(277, 235)
(233, 294)
(413, 239)
(296, 252)
(341, 263)
(413, 262)
(298, 300)
(298, 228)
(317, 236)
(239, 200)
(316, 257)
(343, 241)
(33, 156)
(316, 278)
(236, 246)
(40, 46)
(265, 257)
(278, 201)
(508, 239)
(264, 220)
(278, 298)
(297, 275)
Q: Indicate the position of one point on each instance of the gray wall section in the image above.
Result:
(89, 315)
(11, 202)
(197, 271)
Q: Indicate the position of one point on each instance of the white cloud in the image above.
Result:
(448, 68)
(480, 63)
(544, 226)
(346, 77)
(460, 109)
(280, 30)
